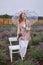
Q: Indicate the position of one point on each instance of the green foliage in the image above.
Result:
(36, 24)
(15, 56)
(7, 40)
(41, 37)
(14, 34)
(1, 56)
(1, 45)
(11, 25)
(37, 54)
(20, 63)
(35, 41)
(29, 63)
(5, 16)
(25, 63)
(40, 18)
(29, 45)
(34, 33)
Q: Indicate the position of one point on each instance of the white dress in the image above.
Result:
(23, 47)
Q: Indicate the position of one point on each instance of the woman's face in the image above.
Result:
(23, 16)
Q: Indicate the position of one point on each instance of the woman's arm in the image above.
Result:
(28, 25)
(33, 21)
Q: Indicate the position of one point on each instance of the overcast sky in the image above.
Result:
(13, 6)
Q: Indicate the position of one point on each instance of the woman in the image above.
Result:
(23, 34)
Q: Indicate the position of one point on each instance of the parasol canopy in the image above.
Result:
(30, 15)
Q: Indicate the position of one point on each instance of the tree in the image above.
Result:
(6, 16)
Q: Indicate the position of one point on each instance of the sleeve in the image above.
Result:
(28, 25)
(33, 22)
(18, 29)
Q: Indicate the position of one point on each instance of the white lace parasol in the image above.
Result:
(31, 15)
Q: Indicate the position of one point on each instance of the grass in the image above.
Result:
(41, 37)
(28, 46)
(27, 62)
(34, 33)
(1, 56)
(1, 45)
(14, 34)
(35, 41)
(10, 25)
(37, 54)
(7, 27)
(37, 24)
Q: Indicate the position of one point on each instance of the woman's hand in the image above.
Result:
(17, 37)
(27, 28)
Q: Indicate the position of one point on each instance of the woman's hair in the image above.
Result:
(20, 17)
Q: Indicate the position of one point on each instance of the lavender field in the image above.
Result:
(34, 56)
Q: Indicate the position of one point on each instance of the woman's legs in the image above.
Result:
(23, 47)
